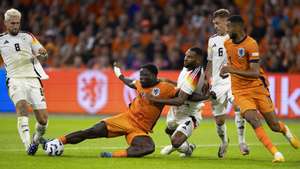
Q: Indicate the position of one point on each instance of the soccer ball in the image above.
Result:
(54, 148)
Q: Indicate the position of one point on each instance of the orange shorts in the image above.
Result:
(120, 125)
(255, 99)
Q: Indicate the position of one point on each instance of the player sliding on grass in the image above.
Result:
(250, 85)
(184, 116)
(138, 120)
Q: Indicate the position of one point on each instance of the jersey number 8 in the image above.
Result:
(17, 47)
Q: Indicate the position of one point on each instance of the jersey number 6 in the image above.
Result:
(220, 52)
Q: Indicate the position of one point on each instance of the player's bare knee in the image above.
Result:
(220, 120)
(21, 107)
(177, 140)
(275, 127)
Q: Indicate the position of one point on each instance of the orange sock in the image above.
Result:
(63, 139)
(120, 153)
(282, 127)
(262, 136)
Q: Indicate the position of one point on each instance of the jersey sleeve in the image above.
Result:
(191, 81)
(35, 44)
(253, 52)
(209, 50)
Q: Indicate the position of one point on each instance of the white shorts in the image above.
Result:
(183, 119)
(29, 89)
(224, 97)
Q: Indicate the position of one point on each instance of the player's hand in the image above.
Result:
(42, 54)
(224, 71)
(117, 70)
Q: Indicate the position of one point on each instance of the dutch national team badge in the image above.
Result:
(241, 52)
(155, 91)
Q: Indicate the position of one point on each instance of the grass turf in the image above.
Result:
(85, 154)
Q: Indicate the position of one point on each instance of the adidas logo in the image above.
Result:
(214, 45)
(6, 41)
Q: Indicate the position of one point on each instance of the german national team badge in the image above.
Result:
(241, 52)
(155, 91)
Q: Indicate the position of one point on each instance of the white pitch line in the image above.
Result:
(115, 148)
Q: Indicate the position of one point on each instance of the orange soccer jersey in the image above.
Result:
(141, 116)
(249, 93)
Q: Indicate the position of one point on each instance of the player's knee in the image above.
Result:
(98, 130)
(275, 127)
(22, 108)
(220, 121)
(150, 148)
(177, 142)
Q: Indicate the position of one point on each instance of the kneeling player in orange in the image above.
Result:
(136, 122)
(250, 86)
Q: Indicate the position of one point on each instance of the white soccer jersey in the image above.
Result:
(17, 53)
(216, 53)
(189, 82)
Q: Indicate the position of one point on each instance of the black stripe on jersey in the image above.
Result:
(254, 61)
(214, 35)
(7, 82)
(263, 81)
(40, 82)
(36, 70)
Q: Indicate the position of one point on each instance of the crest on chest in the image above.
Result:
(241, 52)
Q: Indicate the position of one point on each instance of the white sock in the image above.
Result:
(240, 124)
(185, 147)
(222, 132)
(40, 131)
(23, 128)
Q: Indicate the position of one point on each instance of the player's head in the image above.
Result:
(193, 58)
(148, 75)
(220, 18)
(12, 19)
(236, 26)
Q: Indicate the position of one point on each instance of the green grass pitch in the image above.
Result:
(85, 154)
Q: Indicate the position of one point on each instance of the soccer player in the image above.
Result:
(138, 120)
(20, 52)
(184, 116)
(222, 86)
(250, 85)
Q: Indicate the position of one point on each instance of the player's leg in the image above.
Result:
(219, 111)
(23, 122)
(170, 129)
(278, 126)
(182, 133)
(97, 131)
(38, 102)
(139, 147)
(240, 124)
(248, 106)
(17, 93)
(252, 117)
(266, 107)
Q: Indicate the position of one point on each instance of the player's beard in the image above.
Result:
(14, 32)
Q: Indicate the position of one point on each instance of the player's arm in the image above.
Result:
(38, 50)
(168, 80)
(126, 81)
(175, 101)
(252, 72)
(196, 97)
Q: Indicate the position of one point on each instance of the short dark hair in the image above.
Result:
(236, 19)
(151, 67)
(197, 50)
(223, 13)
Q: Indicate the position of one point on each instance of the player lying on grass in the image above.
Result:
(138, 120)
(184, 116)
(250, 85)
